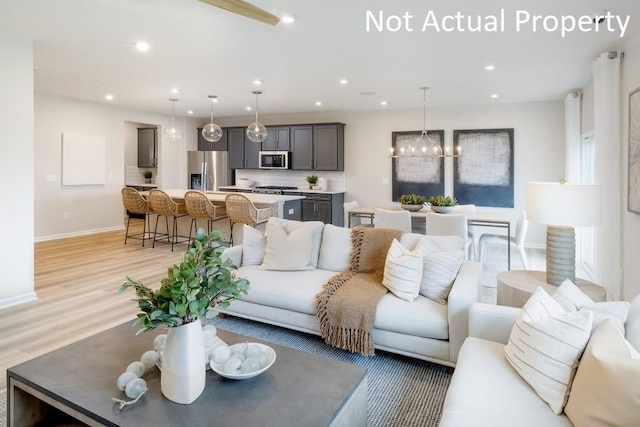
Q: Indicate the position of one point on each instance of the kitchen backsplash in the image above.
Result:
(335, 180)
(133, 175)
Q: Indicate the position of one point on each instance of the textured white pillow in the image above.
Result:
(571, 298)
(253, 245)
(316, 226)
(545, 347)
(402, 271)
(606, 389)
(439, 270)
(335, 249)
(288, 251)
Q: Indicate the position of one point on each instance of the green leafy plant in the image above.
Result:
(442, 201)
(201, 282)
(412, 199)
(147, 174)
(312, 179)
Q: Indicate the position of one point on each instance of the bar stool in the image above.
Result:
(200, 207)
(136, 205)
(163, 205)
(242, 211)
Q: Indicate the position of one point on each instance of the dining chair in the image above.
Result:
(200, 207)
(397, 219)
(449, 225)
(163, 205)
(241, 210)
(472, 232)
(516, 242)
(355, 220)
(137, 207)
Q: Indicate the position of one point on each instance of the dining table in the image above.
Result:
(475, 218)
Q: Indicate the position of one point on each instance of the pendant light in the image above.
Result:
(424, 145)
(173, 133)
(212, 132)
(256, 132)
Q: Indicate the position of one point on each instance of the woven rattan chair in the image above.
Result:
(163, 205)
(137, 207)
(242, 211)
(200, 207)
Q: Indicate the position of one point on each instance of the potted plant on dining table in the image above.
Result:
(412, 202)
(442, 204)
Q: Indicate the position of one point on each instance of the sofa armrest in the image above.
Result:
(492, 322)
(464, 292)
(235, 253)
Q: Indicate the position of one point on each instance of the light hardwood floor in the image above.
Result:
(76, 281)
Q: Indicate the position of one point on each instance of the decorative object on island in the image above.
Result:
(442, 204)
(312, 180)
(562, 206)
(212, 132)
(147, 176)
(412, 202)
(256, 132)
(173, 133)
(191, 290)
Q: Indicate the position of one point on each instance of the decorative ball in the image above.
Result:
(137, 368)
(159, 342)
(150, 358)
(238, 348)
(135, 388)
(262, 358)
(210, 328)
(250, 364)
(233, 366)
(221, 354)
(208, 338)
(124, 379)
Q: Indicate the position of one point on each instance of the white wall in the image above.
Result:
(96, 207)
(16, 170)
(630, 221)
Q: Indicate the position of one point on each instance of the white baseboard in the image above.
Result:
(18, 299)
(78, 233)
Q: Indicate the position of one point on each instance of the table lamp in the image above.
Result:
(562, 206)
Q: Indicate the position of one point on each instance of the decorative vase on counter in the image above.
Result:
(183, 373)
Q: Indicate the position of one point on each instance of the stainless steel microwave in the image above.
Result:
(274, 159)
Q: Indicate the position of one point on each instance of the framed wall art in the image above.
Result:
(483, 173)
(419, 175)
(633, 184)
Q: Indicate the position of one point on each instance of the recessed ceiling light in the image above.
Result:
(248, 108)
(344, 81)
(142, 46)
(383, 102)
(495, 95)
(319, 103)
(175, 90)
(108, 97)
(287, 19)
(490, 67)
(257, 82)
(190, 112)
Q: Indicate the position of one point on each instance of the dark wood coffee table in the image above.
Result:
(75, 384)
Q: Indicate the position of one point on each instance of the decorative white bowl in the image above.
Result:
(271, 357)
(411, 208)
(443, 209)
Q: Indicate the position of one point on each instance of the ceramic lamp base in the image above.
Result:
(561, 254)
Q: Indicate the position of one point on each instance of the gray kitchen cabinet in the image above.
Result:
(318, 147)
(327, 208)
(221, 145)
(277, 139)
(147, 148)
(243, 153)
(301, 147)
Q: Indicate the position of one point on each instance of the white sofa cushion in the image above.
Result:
(290, 246)
(254, 244)
(632, 326)
(402, 271)
(486, 391)
(606, 389)
(290, 226)
(335, 249)
(422, 317)
(545, 347)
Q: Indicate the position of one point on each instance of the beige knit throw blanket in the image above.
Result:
(346, 307)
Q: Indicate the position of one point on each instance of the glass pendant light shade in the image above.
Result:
(173, 133)
(256, 132)
(212, 132)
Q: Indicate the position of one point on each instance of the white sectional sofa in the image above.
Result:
(422, 329)
(486, 391)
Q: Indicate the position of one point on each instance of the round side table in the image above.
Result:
(516, 286)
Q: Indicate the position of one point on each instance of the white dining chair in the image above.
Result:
(397, 219)
(472, 232)
(516, 242)
(449, 225)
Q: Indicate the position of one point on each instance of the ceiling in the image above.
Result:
(85, 49)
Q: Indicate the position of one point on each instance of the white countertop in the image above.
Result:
(299, 190)
(219, 196)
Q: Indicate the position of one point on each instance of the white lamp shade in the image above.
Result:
(566, 204)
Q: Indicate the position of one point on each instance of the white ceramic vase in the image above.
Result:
(183, 366)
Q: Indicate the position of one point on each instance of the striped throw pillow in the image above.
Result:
(545, 347)
(402, 271)
(439, 270)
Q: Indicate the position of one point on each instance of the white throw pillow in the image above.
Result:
(288, 251)
(402, 271)
(545, 347)
(571, 298)
(316, 227)
(606, 389)
(254, 244)
(335, 249)
(439, 270)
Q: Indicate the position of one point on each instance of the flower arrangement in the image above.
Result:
(201, 282)
(442, 201)
(412, 199)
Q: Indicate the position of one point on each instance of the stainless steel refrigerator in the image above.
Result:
(208, 170)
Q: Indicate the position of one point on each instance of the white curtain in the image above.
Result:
(608, 158)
